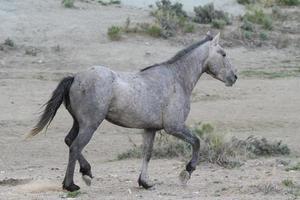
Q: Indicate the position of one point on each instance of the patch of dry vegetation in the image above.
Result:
(267, 74)
(270, 2)
(170, 20)
(8, 44)
(265, 23)
(111, 2)
(266, 188)
(215, 147)
(114, 33)
(207, 14)
(68, 3)
(295, 167)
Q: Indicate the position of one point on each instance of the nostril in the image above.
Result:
(235, 76)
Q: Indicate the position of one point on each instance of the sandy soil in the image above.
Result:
(34, 169)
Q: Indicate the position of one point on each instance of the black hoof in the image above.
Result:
(144, 184)
(71, 188)
(189, 168)
(86, 172)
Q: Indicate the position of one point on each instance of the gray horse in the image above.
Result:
(155, 98)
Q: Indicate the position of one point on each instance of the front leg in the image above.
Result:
(148, 139)
(183, 133)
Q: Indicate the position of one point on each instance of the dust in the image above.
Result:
(39, 186)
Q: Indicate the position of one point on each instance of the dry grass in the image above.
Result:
(215, 147)
(114, 33)
(295, 167)
(294, 72)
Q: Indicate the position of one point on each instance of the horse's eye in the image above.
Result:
(224, 54)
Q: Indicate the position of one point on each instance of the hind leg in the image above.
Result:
(85, 167)
(90, 97)
(84, 135)
(148, 139)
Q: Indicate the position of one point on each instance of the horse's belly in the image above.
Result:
(135, 103)
(135, 111)
(134, 116)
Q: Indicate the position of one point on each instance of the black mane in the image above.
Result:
(181, 53)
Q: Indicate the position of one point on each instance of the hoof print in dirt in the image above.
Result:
(184, 176)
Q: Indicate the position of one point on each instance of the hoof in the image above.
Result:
(144, 184)
(86, 172)
(184, 176)
(87, 179)
(71, 188)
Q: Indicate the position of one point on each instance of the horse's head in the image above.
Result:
(218, 65)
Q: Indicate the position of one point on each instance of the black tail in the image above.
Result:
(59, 95)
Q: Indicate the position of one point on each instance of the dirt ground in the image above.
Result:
(71, 40)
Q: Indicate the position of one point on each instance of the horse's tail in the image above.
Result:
(59, 95)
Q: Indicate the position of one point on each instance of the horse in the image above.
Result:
(155, 98)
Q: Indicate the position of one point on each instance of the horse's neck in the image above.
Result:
(189, 68)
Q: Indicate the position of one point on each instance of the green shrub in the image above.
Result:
(154, 31)
(247, 26)
(189, 28)
(204, 14)
(268, 23)
(207, 13)
(288, 183)
(68, 3)
(289, 2)
(218, 23)
(106, 3)
(170, 17)
(115, 2)
(244, 2)
(263, 36)
(255, 16)
(167, 7)
(114, 32)
(277, 13)
(9, 42)
(248, 35)
(258, 16)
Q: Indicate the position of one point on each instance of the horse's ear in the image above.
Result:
(216, 39)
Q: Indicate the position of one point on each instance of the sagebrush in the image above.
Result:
(215, 147)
